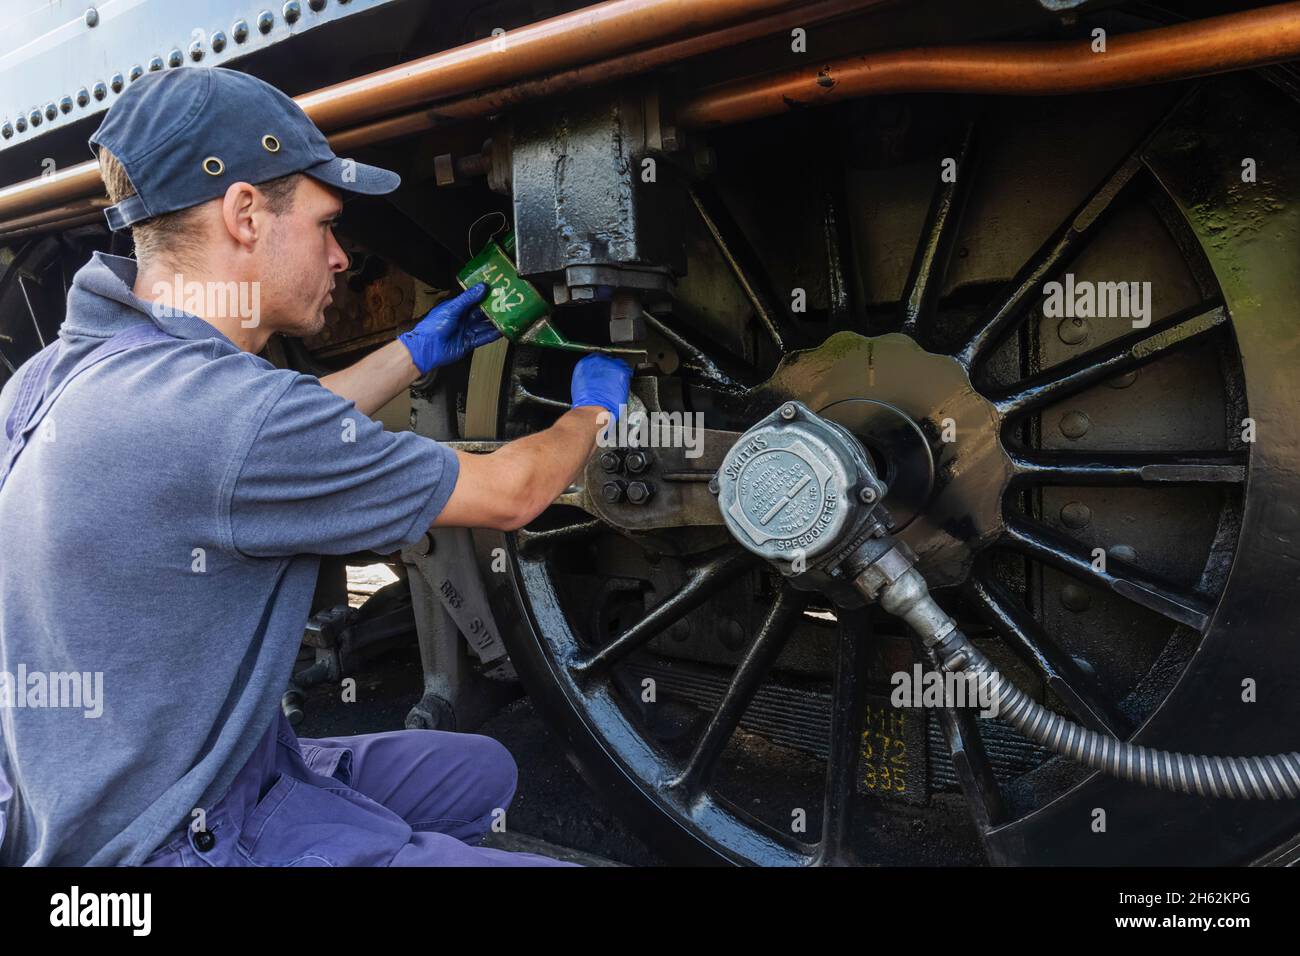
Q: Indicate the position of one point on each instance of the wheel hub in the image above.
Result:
(935, 441)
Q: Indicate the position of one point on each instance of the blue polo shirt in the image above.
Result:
(165, 535)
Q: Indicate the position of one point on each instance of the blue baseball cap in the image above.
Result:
(184, 135)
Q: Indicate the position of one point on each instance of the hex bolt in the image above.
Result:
(867, 495)
(1075, 424)
(637, 461)
(613, 491)
(1076, 515)
(788, 411)
(610, 461)
(639, 492)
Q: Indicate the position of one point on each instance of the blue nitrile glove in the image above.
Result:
(450, 331)
(601, 380)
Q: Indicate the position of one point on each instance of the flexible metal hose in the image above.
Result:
(1244, 778)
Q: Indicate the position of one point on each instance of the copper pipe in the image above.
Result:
(591, 33)
(604, 29)
(1199, 48)
(495, 100)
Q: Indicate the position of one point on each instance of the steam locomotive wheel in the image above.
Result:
(732, 719)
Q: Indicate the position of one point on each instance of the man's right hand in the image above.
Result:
(601, 380)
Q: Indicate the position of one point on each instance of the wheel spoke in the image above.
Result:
(725, 374)
(971, 764)
(1068, 239)
(938, 236)
(536, 544)
(835, 235)
(1128, 468)
(1121, 355)
(848, 713)
(1080, 691)
(743, 262)
(1067, 554)
(704, 581)
(759, 658)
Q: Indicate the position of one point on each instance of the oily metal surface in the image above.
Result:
(963, 510)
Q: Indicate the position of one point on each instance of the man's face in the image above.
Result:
(298, 263)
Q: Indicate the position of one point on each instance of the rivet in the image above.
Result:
(136, 72)
(213, 166)
(20, 124)
(316, 5)
(99, 90)
(83, 96)
(1072, 331)
(1075, 424)
(1124, 380)
(292, 11)
(681, 631)
(270, 143)
(7, 130)
(1075, 598)
(732, 635)
(218, 42)
(1123, 552)
(1076, 515)
(196, 51)
(65, 104)
(51, 111)
(34, 117)
(92, 17)
(239, 30)
(175, 58)
(116, 83)
(155, 64)
(265, 20)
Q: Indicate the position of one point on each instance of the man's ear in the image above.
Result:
(239, 213)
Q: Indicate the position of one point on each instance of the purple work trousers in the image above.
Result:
(400, 798)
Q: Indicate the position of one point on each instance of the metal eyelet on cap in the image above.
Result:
(213, 166)
(270, 143)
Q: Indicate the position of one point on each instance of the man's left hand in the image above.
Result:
(450, 331)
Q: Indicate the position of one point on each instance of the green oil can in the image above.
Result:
(515, 306)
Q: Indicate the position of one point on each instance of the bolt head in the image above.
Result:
(867, 496)
(612, 492)
(788, 411)
(637, 461)
(609, 461)
(639, 492)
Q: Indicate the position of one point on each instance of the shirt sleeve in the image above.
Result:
(320, 477)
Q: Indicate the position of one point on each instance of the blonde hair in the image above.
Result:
(172, 236)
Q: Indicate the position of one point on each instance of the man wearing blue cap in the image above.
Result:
(165, 494)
